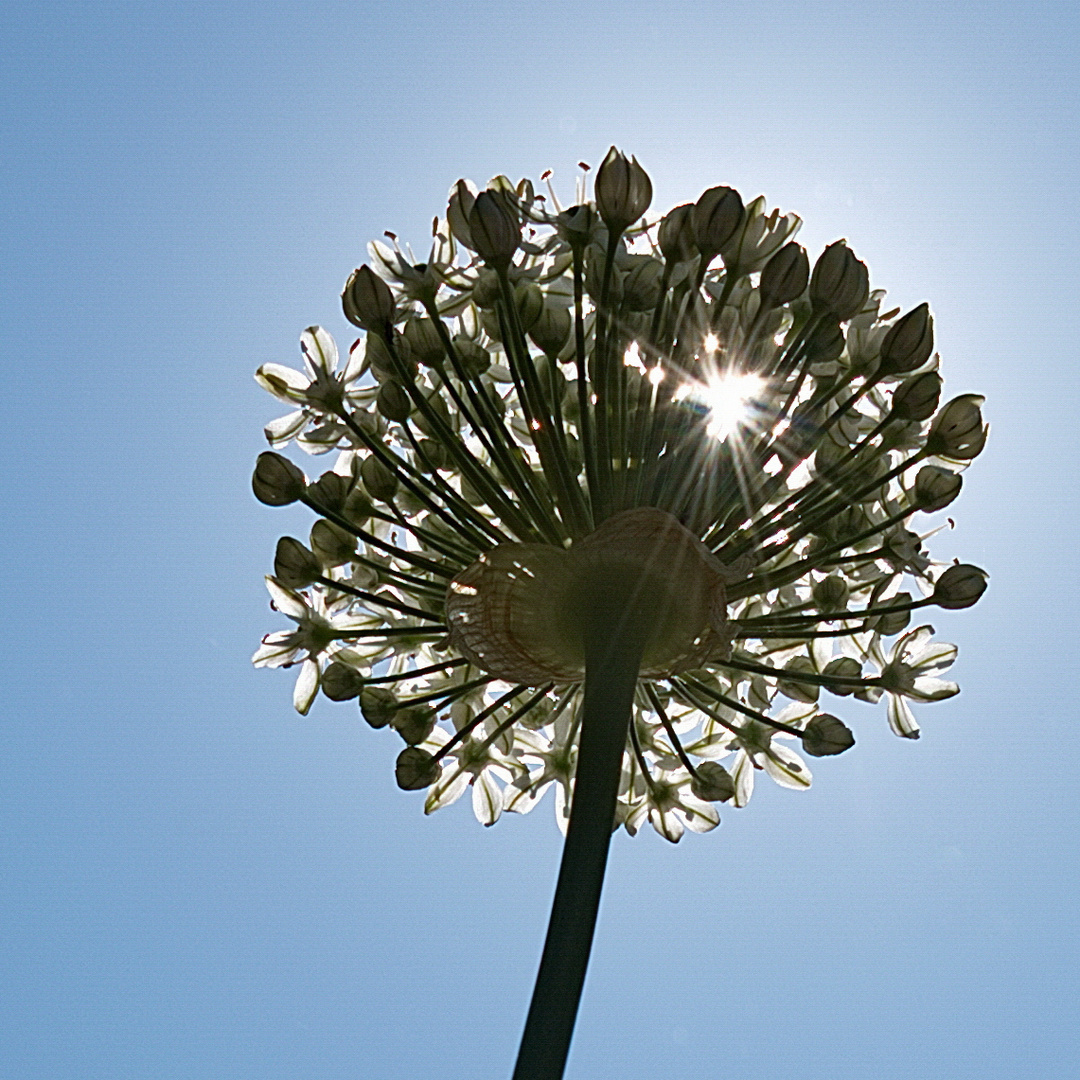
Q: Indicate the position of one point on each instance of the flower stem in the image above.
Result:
(612, 659)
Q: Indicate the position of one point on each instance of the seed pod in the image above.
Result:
(784, 276)
(935, 488)
(840, 283)
(623, 191)
(917, 398)
(294, 565)
(415, 769)
(715, 218)
(276, 480)
(378, 705)
(332, 545)
(675, 236)
(341, 682)
(960, 586)
(393, 402)
(368, 302)
(551, 330)
(958, 431)
(908, 342)
(381, 483)
(825, 735)
(495, 228)
(713, 782)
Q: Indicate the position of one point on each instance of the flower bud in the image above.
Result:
(276, 480)
(825, 735)
(715, 218)
(368, 302)
(894, 621)
(424, 342)
(641, 288)
(796, 689)
(713, 782)
(414, 723)
(457, 212)
(294, 565)
(551, 330)
(378, 705)
(935, 488)
(393, 402)
(844, 667)
(675, 236)
(908, 342)
(917, 398)
(824, 343)
(380, 482)
(332, 545)
(576, 225)
(473, 356)
(831, 593)
(959, 587)
(530, 303)
(958, 431)
(840, 283)
(623, 191)
(495, 228)
(415, 769)
(329, 492)
(382, 362)
(341, 682)
(784, 276)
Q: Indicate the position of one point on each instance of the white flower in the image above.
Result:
(911, 671)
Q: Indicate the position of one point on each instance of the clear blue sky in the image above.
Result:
(198, 884)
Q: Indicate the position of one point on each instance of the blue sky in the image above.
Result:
(196, 882)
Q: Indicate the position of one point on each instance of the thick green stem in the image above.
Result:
(612, 658)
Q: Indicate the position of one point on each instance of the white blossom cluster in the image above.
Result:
(548, 369)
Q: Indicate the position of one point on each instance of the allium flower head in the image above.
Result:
(566, 416)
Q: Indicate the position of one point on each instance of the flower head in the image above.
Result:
(568, 417)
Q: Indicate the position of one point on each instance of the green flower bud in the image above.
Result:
(341, 682)
(329, 492)
(332, 545)
(414, 723)
(908, 342)
(894, 621)
(792, 688)
(378, 705)
(424, 343)
(495, 228)
(576, 225)
(436, 404)
(623, 191)
(713, 782)
(840, 283)
(917, 398)
(715, 219)
(393, 402)
(824, 343)
(831, 593)
(551, 330)
(959, 587)
(435, 453)
(368, 302)
(383, 366)
(784, 276)
(844, 667)
(935, 488)
(641, 289)
(825, 735)
(675, 236)
(530, 304)
(381, 483)
(415, 769)
(276, 480)
(473, 356)
(294, 565)
(958, 431)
